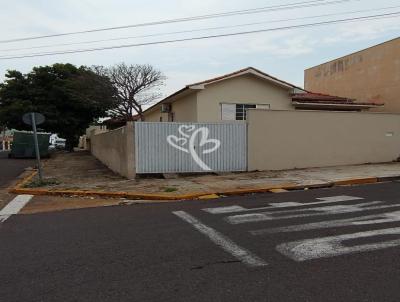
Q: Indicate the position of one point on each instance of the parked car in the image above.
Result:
(59, 143)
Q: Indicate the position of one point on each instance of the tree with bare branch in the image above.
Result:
(137, 86)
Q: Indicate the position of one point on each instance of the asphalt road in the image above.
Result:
(266, 247)
(11, 168)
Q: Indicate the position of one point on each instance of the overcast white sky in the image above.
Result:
(284, 54)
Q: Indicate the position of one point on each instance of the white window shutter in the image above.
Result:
(228, 112)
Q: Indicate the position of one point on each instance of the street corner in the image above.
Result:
(43, 204)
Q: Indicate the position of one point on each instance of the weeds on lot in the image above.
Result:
(170, 189)
(45, 182)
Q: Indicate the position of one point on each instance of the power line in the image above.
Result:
(197, 30)
(295, 5)
(365, 18)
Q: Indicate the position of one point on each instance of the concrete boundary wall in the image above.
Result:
(116, 149)
(279, 140)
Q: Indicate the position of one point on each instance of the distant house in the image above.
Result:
(370, 74)
(226, 98)
(5, 143)
(6, 139)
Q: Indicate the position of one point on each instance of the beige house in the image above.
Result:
(280, 126)
(227, 98)
(6, 142)
(370, 74)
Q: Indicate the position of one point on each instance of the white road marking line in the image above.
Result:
(330, 210)
(339, 198)
(223, 210)
(4, 218)
(355, 221)
(290, 204)
(14, 206)
(324, 200)
(334, 245)
(270, 215)
(222, 241)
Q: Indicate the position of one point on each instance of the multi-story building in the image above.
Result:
(372, 74)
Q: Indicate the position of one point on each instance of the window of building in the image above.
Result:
(232, 112)
(171, 117)
(241, 111)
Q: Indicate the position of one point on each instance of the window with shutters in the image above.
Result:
(231, 112)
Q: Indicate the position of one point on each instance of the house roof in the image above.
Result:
(248, 70)
(201, 85)
(311, 99)
(319, 97)
(300, 99)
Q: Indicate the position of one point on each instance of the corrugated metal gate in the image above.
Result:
(190, 147)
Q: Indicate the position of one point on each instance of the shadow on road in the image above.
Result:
(10, 168)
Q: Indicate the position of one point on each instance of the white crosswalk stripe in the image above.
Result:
(14, 206)
(222, 241)
(339, 198)
(329, 206)
(324, 200)
(309, 249)
(327, 210)
(355, 221)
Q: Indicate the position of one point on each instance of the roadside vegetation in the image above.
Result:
(42, 183)
(170, 189)
(72, 98)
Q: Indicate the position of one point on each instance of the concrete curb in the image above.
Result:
(18, 189)
(24, 181)
(356, 181)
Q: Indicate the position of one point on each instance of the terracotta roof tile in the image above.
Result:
(319, 98)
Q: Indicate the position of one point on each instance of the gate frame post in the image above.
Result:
(130, 150)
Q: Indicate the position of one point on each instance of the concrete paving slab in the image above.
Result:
(80, 171)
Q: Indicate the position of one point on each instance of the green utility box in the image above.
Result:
(23, 145)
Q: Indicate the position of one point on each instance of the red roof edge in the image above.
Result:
(320, 98)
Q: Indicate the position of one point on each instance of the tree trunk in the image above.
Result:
(70, 143)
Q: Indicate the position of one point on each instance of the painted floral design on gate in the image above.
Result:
(187, 139)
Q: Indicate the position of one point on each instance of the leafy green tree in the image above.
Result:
(70, 97)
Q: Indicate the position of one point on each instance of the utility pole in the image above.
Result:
(36, 146)
(34, 119)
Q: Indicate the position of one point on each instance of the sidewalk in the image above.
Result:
(79, 173)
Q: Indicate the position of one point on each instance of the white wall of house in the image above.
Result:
(246, 89)
(225, 100)
(185, 109)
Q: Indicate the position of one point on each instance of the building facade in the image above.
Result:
(5, 143)
(372, 74)
(6, 139)
(228, 97)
